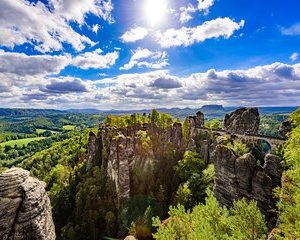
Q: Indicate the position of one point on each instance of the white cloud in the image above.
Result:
(24, 65)
(186, 36)
(134, 34)
(257, 86)
(95, 59)
(143, 57)
(294, 57)
(185, 13)
(23, 22)
(95, 28)
(76, 10)
(205, 5)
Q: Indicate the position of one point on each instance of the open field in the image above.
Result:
(40, 130)
(21, 142)
(69, 127)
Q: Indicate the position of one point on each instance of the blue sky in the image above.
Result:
(149, 53)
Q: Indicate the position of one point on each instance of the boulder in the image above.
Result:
(25, 210)
(243, 120)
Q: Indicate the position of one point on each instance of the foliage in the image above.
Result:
(186, 130)
(238, 147)
(213, 124)
(211, 221)
(161, 120)
(195, 179)
(270, 124)
(21, 142)
(289, 194)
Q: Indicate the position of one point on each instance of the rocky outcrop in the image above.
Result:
(286, 128)
(126, 151)
(243, 120)
(197, 121)
(25, 211)
(242, 177)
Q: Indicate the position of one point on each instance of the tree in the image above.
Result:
(213, 124)
(213, 222)
(154, 117)
(246, 221)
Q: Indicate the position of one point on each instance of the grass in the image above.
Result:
(21, 142)
(40, 130)
(69, 127)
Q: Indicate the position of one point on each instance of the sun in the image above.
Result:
(155, 11)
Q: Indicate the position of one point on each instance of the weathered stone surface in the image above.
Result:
(25, 210)
(274, 168)
(242, 177)
(286, 128)
(243, 120)
(124, 151)
(197, 121)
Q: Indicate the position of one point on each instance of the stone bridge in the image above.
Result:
(272, 141)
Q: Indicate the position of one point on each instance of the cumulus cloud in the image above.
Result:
(166, 83)
(260, 85)
(205, 5)
(65, 85)
(143, 57)
(47, 29)
(23, 65)
(185, 13)
(134, 34)
(294, 56)
(186, 36)
(95, 59)
(76, 10)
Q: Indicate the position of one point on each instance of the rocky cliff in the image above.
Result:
(25, 211)
(244, 177)
(136, 157)
(243, 120)
(129, 154)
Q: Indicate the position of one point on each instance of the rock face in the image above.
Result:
(243, 120)
(125, 151)
(25, 211)
(130, 155)
(197, 121)
(242, 177)
(286, 128)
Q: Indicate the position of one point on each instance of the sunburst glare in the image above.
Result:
(155, 11)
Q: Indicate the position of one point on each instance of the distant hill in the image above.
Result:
(206, 108)
(85, 111)
(20, 112)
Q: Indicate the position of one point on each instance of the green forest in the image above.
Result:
(170, 199)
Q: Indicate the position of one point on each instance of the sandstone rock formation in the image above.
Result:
(286, 128)
(243, 120)
(242, 177)
(197, 121)
(25, 211)
(123, 151)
